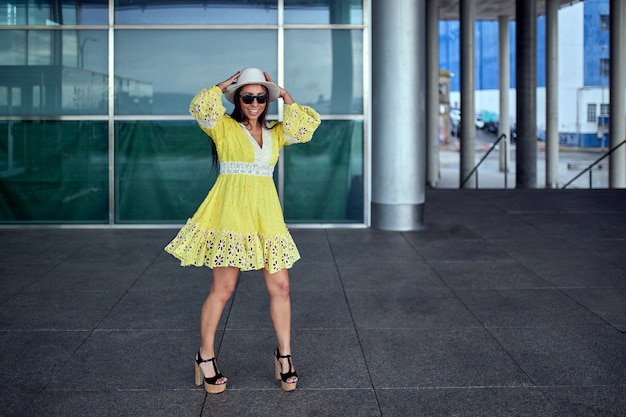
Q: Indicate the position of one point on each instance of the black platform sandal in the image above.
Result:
(283, 377)
(210, 384)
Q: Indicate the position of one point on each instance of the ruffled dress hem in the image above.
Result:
(197, 246)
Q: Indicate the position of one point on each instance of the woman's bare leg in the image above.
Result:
(280, 311)
(224, 282)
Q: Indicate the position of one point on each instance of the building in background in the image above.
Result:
(94, 96)
(583, 71)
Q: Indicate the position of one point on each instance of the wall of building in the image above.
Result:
(94, 120)
(583, 44)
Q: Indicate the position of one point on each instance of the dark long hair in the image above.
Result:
(239, 116)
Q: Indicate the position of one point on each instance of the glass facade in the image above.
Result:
(54, 171)
(94, 122)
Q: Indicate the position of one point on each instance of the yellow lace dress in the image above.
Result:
(240, 223)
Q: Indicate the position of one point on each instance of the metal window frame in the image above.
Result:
(280, 27)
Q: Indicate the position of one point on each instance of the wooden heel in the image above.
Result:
(210, 384)
(283, 377)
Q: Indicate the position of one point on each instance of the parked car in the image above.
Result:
(455, 115)
(455, 121)
(455, 128)
(494, 127)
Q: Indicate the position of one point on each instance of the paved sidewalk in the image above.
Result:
(508, 303)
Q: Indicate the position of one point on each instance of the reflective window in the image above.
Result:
(54, 12)
(328, 73)
(324, 178)
(324, 11)
(142, 12)
(158, 72)
(53, 72)
(55, 169)
(53, 172)
(162, 171)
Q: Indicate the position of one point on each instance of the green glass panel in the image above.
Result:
(328, 73)
(204, 12)
(54, 12)
(324, 178)
(45, 72)
(324, 12)
(53, 172)
(163, 170)
(159, 71)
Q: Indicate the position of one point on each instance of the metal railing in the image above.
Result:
(475, 170)
(590, 167)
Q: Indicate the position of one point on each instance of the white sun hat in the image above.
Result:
(251, 76)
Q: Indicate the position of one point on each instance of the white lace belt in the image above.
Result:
(246, 168)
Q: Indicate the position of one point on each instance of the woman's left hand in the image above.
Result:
(284, 94)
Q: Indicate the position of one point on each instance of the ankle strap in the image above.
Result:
(205, 360)
(279, 356)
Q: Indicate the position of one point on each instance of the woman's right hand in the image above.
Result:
(224, 84)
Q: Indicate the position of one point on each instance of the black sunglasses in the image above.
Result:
(249, 98)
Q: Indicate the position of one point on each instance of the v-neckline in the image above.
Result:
(254, 141)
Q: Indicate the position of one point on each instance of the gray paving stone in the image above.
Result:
(571, 268)
(170, 275)
(310, 309)
(314, 275)
(359, 252)
(505, 274)
(131, 360)
(156, 309)
(567, 356)
(438, 358)
(313, 236)
(305, 275)
(329, 402)
(15, 399)
(122, 403)
(314, 249)
(461, 251)
(364, 236)
(57, 310)
(17, 277)
(375, 275)
(466, 402)
(607, 303)
(440, 230)
(612, 250)
(92, 276)
(501, 226)
(30, 359)
(324, 359)
(506, 303)
(409, 308)
(574, 226)
(597, 401)
(526, 308)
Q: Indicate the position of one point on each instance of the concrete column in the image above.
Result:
(552, 93)
(617, 116)
(432, 101)
(468, 128)
(526, 76)
(504, 68)
(398, 114)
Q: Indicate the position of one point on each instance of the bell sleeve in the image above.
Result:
(207, 108)
(299, 123)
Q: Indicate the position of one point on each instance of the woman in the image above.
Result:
(240, 225)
